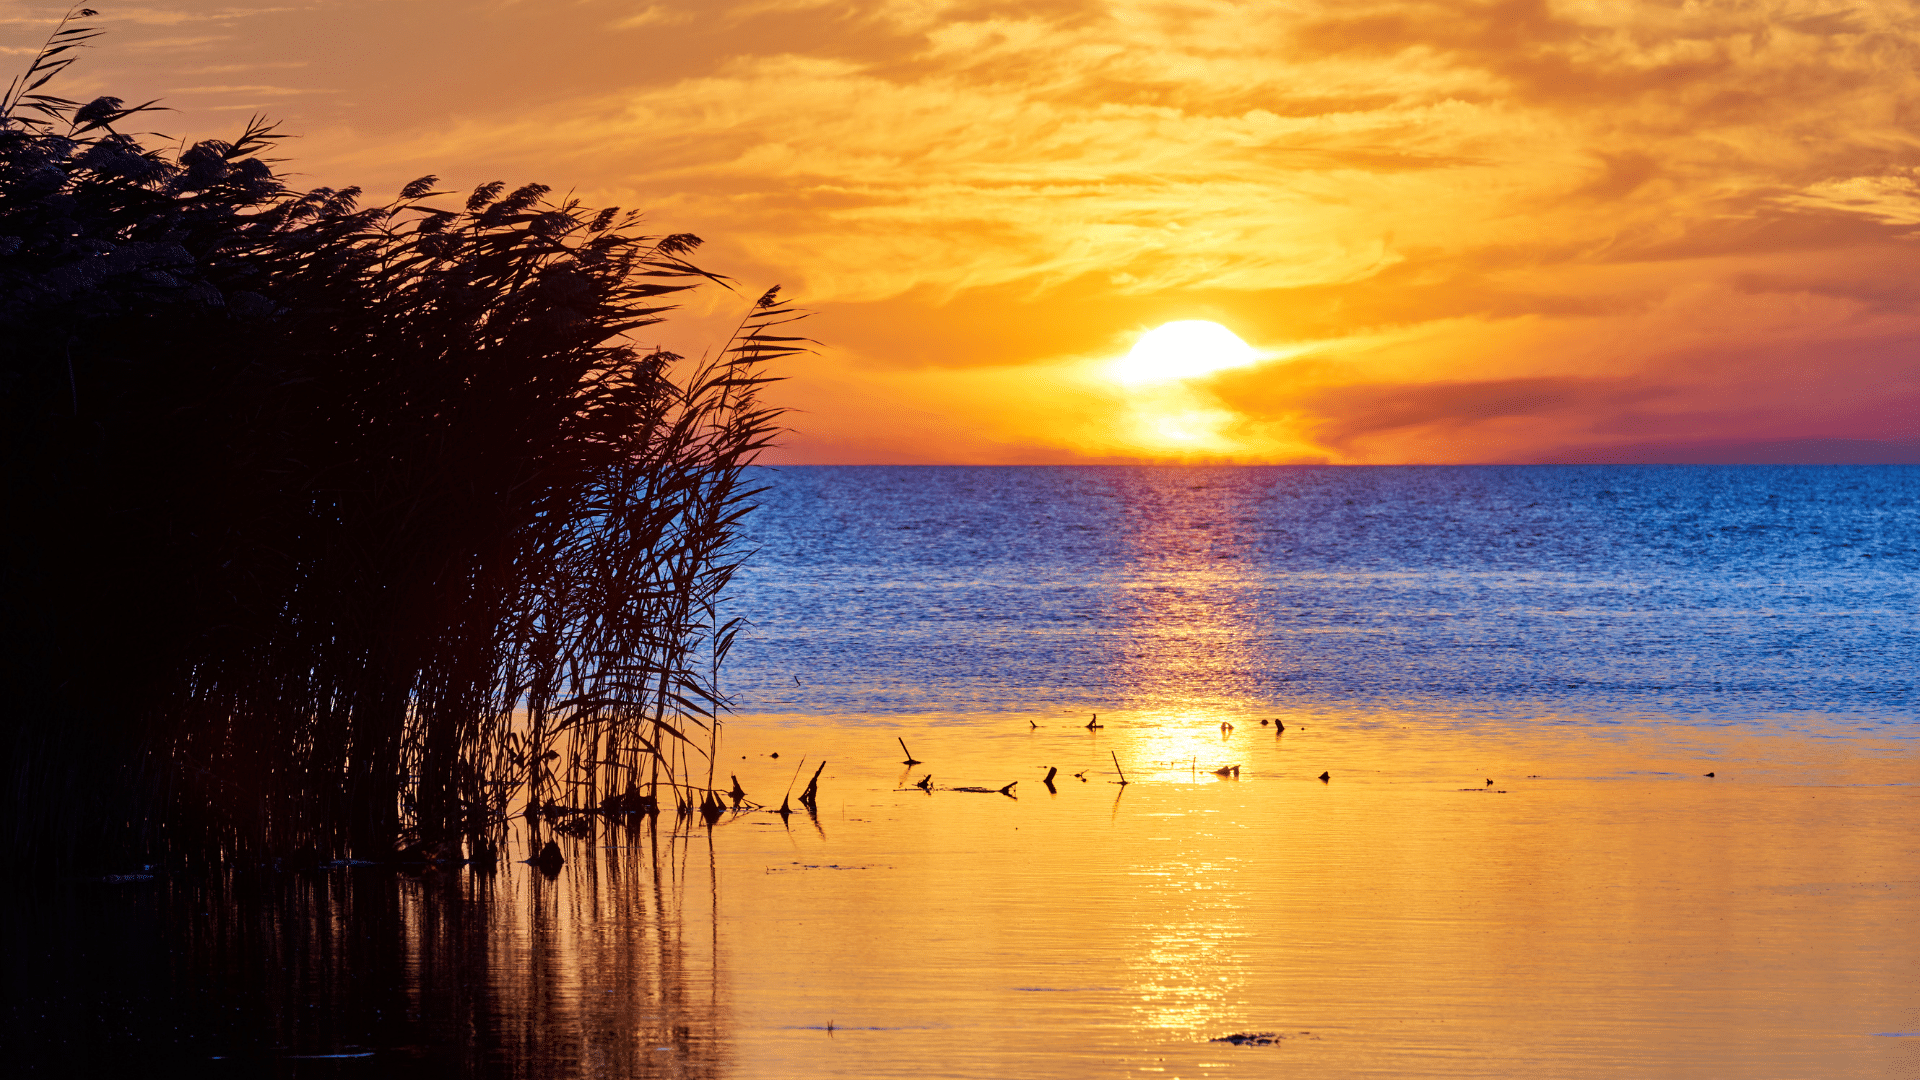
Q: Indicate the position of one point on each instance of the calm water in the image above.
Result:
(1592, 641)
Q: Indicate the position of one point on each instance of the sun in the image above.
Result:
(1182, 350)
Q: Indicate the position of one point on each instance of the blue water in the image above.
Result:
(1728, 592)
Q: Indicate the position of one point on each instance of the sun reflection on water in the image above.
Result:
(1191, 967)
(1192, 745)
(1614, 913)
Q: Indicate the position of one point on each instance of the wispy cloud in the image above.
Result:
(153, 16)
(651, 15)
(228, 69)
(262, 90)
(1894, 199)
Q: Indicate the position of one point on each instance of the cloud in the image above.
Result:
(1351, 412)
(1492, 229)
(38, 15)
(225, 69)
(1742, 452)
(651, 15)
(170, 46)
(1892, 199)
(177, 16)
(267, 91)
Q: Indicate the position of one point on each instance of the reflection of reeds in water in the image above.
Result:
(336, 529)
(448, 973)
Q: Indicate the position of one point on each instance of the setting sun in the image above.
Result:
(1183, 350)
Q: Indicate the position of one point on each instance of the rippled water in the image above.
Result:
(1732, 591)
(1594, 642)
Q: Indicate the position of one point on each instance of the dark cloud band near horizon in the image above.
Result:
(1504, 232)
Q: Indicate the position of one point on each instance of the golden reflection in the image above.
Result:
(608, 969)
(1189, 968)
(1604, 910)
(1192, 970)
(1180, 746)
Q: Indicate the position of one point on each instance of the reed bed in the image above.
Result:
(337, 529)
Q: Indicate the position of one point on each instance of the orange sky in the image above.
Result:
(1452, 232)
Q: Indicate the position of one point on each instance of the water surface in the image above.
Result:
(1716, 591)
(1594, 641)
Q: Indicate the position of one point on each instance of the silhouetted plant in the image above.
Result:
(332, 527)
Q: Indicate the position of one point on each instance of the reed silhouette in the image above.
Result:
(333, 529)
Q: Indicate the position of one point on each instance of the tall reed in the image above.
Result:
(335, 528)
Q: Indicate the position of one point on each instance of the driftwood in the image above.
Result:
(1007, 791)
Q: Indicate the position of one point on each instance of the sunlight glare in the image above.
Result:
(1182, 350)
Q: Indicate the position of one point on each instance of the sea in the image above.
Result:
(1570, 772)
(1722, 593)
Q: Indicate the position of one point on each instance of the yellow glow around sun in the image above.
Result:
(1182, 350)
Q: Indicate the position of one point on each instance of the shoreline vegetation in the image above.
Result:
(340, 530)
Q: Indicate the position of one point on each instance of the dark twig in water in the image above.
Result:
(794, 779)
(1118, 769)
(1007, 791)
(910, 762)
(808, 796)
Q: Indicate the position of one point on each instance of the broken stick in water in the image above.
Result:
(1117, 768)
(903, 746)
(813, 788)
(1007, 791)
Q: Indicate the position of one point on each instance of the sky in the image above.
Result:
(1447, 232)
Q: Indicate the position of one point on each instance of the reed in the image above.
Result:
(334, 528)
